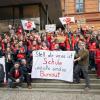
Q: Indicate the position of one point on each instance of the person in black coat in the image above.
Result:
(26, 69)
(2, 73)
(1, 52)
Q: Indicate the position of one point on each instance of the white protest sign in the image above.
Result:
(2, 61)
(28, 25)
(67, 20)
(50, 28)
(53, 65)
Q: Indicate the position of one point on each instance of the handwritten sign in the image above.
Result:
(53, 65)
(50, 28)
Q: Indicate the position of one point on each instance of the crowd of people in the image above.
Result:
(17, 46)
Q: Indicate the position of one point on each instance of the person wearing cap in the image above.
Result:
(83, 62)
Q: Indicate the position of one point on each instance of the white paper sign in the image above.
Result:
(53, 65)
(2, 61)
(28, 25)
(67, 20)
(50, 28)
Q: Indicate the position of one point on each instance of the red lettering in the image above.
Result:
(57, 62)
(44, 74)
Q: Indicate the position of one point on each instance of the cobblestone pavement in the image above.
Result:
(33, 95)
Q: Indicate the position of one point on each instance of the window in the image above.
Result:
(99, 5)
(79, 6)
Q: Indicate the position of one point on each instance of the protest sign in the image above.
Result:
(53, 65)
(50, 28)
(66, 20)
(60, 39)
(28, 25)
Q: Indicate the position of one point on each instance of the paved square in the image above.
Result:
(33, 95)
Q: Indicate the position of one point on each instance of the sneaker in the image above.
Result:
(87, 88)
(29, 87)
(98, 77)
(19, 87)
(76, 82)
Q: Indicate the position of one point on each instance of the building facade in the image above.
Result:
(42, 12)
(86, 12)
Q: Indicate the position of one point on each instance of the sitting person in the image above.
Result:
(15, 77)
(26, 69)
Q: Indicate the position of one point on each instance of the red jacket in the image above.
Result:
(92, 46)
(21, 56)
(97, 56)
(13, 76)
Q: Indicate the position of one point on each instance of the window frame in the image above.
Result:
(98, 5)
(79, 3)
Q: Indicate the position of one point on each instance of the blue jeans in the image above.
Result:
(13, 84)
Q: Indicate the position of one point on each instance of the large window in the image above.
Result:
(79, 6)
(99, 5)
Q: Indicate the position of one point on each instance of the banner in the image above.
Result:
(28, 25)
(53, 65)
(50, 28)
(67, 20)
(2, 61)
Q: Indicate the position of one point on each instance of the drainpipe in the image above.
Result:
(47, 14)
(13, 12)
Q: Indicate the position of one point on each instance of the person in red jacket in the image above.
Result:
(15, 76)
(21, 54)
(92, 49)
(97, 60)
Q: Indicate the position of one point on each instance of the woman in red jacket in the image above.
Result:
(97, 57)
(97, 60)
(92, 50)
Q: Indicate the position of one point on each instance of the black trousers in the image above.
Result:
(27, 79)
(9, 65)
(84, 70)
